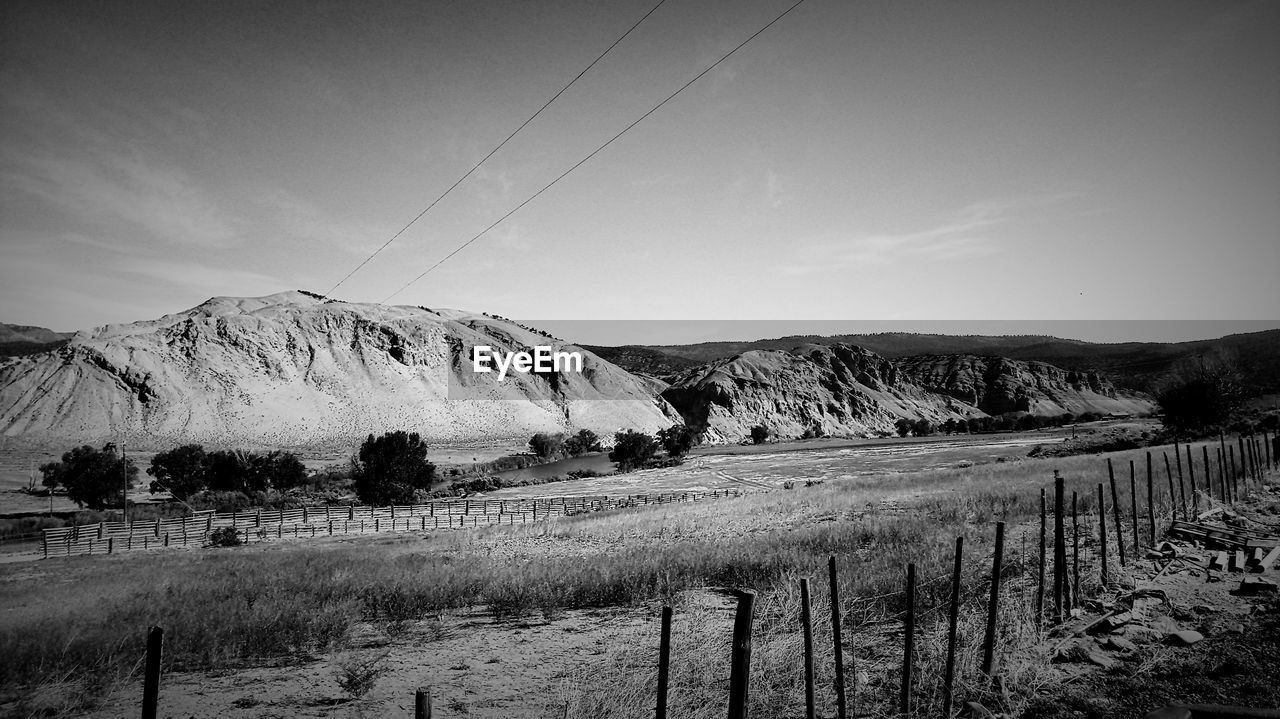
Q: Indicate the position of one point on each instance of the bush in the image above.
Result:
(545, 445)
(1197, 405)
(224, 537)
(582, 442)
(759, 434)
(389, 468)
(677, 440)
(93, 478)
(632, 449)
(358, 673)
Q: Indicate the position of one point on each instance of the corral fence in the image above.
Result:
(307, 522)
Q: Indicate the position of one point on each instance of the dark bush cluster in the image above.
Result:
(189, 470)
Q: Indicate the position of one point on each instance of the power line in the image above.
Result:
(594, 152)
(494, 151)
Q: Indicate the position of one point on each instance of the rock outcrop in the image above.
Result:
(827, 389)
(294, 369)
(998, 385)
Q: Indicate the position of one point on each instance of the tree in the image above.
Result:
(546, 445)
(677, 440)
(759, 434)
(582, 442)
(1196, 405)
(922, 427)
(632, 449)
(180, 471)
(93, 478)
(226, 470)
(389, 468)
(277, 469)
(904, 426)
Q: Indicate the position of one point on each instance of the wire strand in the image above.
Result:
(494, 151)
(594, 152)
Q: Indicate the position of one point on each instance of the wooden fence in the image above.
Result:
(308, 522)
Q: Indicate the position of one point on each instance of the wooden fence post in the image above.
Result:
(151, 677)
(1173, 498)
(422, 703)
(1115, 509)
(953, 618)
(740, 655)
(1102, 536)
(1040, 580)
(993, 606)
(1133, 506)
(909, 626)
(841, 704)
(806, 624)
(1061, 594)
(664, 662)
(1075, 551)
(1151, 505)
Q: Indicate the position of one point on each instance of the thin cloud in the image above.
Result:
(965, 236)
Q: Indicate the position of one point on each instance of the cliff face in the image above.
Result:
(835, 389)
(292, 369)
(997, 385)
(846, 390)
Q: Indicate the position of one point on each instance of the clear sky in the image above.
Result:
(879, 160)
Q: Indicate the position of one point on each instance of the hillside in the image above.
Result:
(1140, 366)
(845, 390)
(19, 340)
(292, 369)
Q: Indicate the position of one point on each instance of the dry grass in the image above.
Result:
(86, 617)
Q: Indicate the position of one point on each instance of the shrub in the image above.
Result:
(546, 445)
(389, 468)
(632, 449)
(677, 440)
(759, 434)
(224, 537)
(358, 673)
(93, 478)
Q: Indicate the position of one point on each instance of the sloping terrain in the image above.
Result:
(1141, 366)
(294, 369)
(847, 390)
(18, 340)
(998, 385)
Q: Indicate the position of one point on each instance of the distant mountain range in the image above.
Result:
(1138, 366)
(18, 340)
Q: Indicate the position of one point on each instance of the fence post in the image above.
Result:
(1173, 497)
(740, 656)
(1061, 595)
(1102, 535)
(806, 623)
(953, 618)
(841, 704)
(1115, 509)
(1040, 580)
(993, 606)
(422, 703)
(1075, 551)
(151, 679)
(1133, 506)
(1151, 504)
(909, 626)
(664, 662)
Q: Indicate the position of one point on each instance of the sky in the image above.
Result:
(880, 161)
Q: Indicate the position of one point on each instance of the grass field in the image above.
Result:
(79, 623)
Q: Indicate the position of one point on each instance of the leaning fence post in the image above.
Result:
(841, 705)
(909, 626)
(422, 703)
(1061, 595)
(1173, 498)
(151, 677)
(806, 624)
(1075, 551)
(740, 656)
(1151, 504)
(993, 606)
(664, 662)
(952, 619)
(1115, 509)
